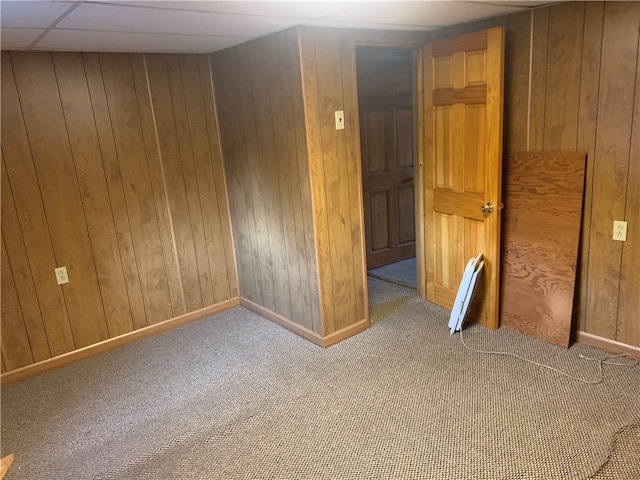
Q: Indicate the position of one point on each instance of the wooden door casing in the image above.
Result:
(463, 100)
(385, 95)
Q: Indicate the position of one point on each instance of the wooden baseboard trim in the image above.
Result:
(303, 332)
(28, 371)
(345, 333)
(607, 345)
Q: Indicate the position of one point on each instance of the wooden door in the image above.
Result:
(463, 95)
(386, 129)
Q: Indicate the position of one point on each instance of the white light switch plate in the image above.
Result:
(339, 119)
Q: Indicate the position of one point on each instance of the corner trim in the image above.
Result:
(303, 332)
(32, 370)
(606, 344)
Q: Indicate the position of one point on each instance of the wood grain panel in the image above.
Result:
(79, 119)
(31, 215)
(233, 145)
(587, 122)
(262, 246)
(113, 178)
(612, 156)
(336, 178)
(210, 178)
(275, 62)
(302, 187)
(170, 261)
(266, 169)
(175, 144)
(53, 161)
(540, 243)
(628, 324)
(538, 79)
(136, 182)
(16, 350)
(83, 186)
(516, 105)
(563, 77)
(25, 292)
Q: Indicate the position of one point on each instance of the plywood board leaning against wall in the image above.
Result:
(540, 234)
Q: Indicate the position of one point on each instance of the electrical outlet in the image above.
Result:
(61, 275)
(620, 230)
(339, 120)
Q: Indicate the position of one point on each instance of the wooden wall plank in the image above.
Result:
(277, 61)
(586, 141)
(16, 350)
(21, 274)
(116, 195)
(302, 185)
(215, 207)
(168, 111)
(316, 175)
(203, 188)
(141, 209)
(79, 119)
(233, 145)
(517, 42)
(30, 209)
(53, 161)
(354, 175)
(563, 77)
(615, 113)
(159, 185)
(628, 325)
(255, 177)
(272, 181)
(269, 198)
(538, 81)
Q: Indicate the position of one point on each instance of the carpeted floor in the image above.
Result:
(386, 298)
(237, 397)
(401, 273)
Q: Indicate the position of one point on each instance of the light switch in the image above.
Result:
(339, 119)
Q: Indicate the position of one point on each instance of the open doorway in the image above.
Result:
(386, 102)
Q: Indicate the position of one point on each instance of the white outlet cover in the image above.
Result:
(61, 275)
(620, 230)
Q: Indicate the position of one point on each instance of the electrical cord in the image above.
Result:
(601, 362)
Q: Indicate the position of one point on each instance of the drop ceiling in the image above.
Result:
(208, 26)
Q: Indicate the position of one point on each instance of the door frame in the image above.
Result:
(413, 42)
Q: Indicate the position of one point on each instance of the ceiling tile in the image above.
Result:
(31, 14)
(18, 38)
(286, 9)
(422, 13)
(119, 18)
(83, 41)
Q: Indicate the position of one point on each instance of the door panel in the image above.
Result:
(386, 125)
(463, 85)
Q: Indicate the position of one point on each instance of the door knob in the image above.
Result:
(487, 208)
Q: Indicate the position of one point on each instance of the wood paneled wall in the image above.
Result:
(573, 84)
(110, 167)
(261, 114)
(328, 76)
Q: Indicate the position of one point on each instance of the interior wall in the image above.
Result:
(110, 167)
(329, 85)
(574, 85)
(258, 89)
